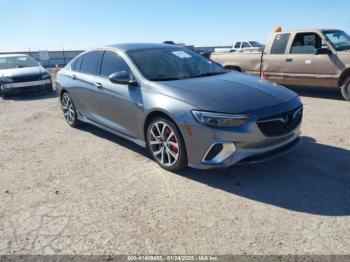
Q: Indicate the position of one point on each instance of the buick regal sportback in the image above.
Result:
(186, 109)
(21, 73)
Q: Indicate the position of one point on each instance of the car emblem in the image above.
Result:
(288, 120)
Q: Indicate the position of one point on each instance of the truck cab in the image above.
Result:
(311, 57)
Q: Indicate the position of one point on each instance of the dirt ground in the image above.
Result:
(85, 191)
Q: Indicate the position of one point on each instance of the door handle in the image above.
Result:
(73, 77)
(98, 85)
(289, 60)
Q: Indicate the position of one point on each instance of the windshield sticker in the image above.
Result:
(22, 58)
(181, 54)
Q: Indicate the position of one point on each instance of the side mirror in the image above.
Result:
(121, 78)
(323, 51)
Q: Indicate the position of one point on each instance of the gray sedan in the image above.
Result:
(186, 109)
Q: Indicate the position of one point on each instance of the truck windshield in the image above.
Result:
(162, 64)
(255, 44)
(339, 39)
(11, 62)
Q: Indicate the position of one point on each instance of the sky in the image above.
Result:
(78, 24)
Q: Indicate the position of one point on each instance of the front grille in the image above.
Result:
(21, 79)
(280, 124)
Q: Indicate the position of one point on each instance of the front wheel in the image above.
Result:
(69, 111)
(166, 144)
(345, 89)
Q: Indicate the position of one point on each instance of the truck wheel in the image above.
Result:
(345, 89)
(233, 68)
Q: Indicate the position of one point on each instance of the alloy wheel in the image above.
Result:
(164, 144)
(68, 109)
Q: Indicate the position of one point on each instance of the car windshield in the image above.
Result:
(17, 62)
(339, 39)
(255, 44)
(162, 64)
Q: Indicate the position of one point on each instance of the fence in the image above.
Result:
(50, 59)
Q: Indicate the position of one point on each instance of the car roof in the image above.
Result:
(12, 55)
(138, 46)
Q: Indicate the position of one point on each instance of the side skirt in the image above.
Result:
(134, 140)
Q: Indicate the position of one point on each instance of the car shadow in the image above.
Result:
(114, 139)
(318, 92)
(40, 95)
(313, 178)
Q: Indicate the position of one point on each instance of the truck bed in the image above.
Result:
(246, 62)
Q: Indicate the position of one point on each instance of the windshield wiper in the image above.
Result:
(210, 74)
(164, 78)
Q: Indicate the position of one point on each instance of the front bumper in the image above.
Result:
(25, 87)
(250, 143)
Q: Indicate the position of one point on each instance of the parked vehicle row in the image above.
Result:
(21, 73)
(186, 109)
(305, 57)
(241, 46)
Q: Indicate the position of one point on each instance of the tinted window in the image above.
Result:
(91, 62)
(238, 44)
(77, 63)
(245, 45)
(112, 63)
(280, 44)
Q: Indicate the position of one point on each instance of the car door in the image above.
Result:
(273, 62)
(118, 103)
(304, 66)
(83, 78)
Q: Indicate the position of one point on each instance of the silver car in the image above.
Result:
(20, 73)
(186, 109)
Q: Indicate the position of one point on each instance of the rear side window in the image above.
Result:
(112, 63)
(280, 44)
(77, 64)
(238, 45)
(91, 62)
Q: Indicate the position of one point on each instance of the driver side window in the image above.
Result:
(306, 43)
(111, 63)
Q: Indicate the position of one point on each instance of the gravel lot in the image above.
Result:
(85, 191)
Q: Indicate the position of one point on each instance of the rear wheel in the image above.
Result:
(166, 144)
(345, 89)
(69, 111)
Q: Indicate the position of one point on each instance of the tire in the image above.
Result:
(69, 111)
(345, 89)
(166, 145)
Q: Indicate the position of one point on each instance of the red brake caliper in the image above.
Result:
(173, 139)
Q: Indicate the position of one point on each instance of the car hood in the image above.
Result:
(231, 92)
(13, 72)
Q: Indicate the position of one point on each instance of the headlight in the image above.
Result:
(46, 75)
(5, 80)
(219, 119)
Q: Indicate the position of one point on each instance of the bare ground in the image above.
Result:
(84, 191)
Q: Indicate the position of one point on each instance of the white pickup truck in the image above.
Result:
(241, 46)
